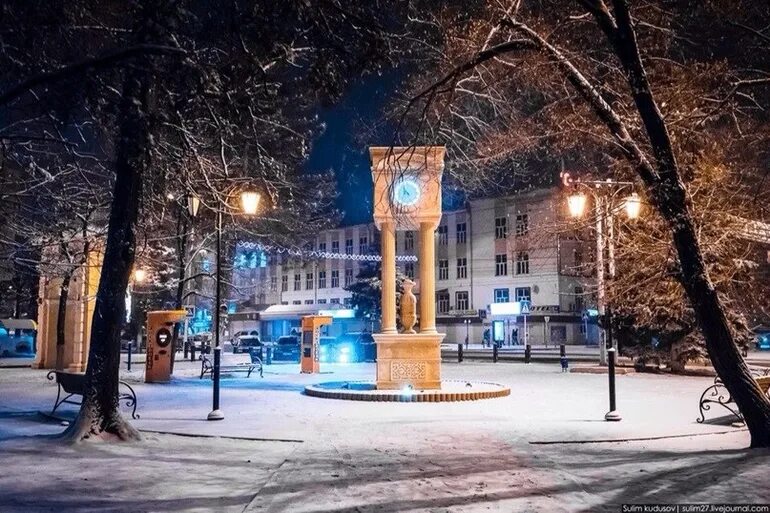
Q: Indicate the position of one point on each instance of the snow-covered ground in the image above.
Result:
(292, 452)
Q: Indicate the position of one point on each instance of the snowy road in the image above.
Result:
(320, 455)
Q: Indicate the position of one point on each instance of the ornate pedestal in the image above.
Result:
(408, 359)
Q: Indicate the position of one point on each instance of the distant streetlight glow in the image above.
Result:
(576, 203)
(633, 206)
(140, 275)
(249, 202)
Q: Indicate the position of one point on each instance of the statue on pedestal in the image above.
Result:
(408, 304)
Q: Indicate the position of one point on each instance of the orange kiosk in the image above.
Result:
(160, 344)
(311, 331)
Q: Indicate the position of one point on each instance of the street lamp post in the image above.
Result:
(249, 204)
(603, 193)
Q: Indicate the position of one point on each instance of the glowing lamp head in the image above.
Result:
(140, 275)
(576, 202)
(249, 202)
(633, 206)
(193, 204)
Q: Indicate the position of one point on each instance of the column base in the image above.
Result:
(408, 360)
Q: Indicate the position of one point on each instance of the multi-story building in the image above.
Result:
(494, 250)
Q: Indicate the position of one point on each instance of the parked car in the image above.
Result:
(286, 349)
(245, 343)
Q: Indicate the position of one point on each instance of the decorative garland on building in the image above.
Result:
(325, 255)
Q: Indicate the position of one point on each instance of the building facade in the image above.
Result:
(494, 250)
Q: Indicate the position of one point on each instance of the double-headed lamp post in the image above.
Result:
(249, 205)
(605, 197)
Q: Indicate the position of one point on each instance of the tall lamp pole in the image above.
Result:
(249, 205)
(603, 193)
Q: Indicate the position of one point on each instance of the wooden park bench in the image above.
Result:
(73, 384)
(717, 394)
(231, 363)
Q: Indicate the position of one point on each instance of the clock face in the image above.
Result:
(406, 192)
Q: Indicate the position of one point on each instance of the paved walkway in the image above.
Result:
(525, 452)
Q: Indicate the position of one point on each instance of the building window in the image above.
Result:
(523, 294)
(579, 299)
(322, 301)
(348, 277)
(501, 265)
(363, 245)
(335, 246)
(347, 302)
(284, 283)
(309, 281)
(578, 254)
(501, 296)
(462, 233)
(284, 303)
(522, 262)
(321, 280)
(443, 269)
(348, 246)
(409, 270)
(443, 235)
(408, 240)
(273, 283)
(462, 268)
(297, 281)
(335, 279)
(558, 334)
(461, 300)
(442, 301)
(322, 246)
(522, 224)
(297, 302)
(334, 301)
(308, 301)
(501, 227)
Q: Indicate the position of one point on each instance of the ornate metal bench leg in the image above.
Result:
(57, 403)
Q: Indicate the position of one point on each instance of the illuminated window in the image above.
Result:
(501, 296)
(523, 294)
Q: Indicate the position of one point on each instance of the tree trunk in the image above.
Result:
(61, 319)
(99, 417)
(720, 343)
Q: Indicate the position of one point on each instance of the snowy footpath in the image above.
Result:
(544, 448)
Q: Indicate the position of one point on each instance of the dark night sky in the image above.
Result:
(342, 150)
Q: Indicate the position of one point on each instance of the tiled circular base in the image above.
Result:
(367, 391)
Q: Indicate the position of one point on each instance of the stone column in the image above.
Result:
(388, 236)
(427, 279)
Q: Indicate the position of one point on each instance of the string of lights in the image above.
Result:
(324, 255)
